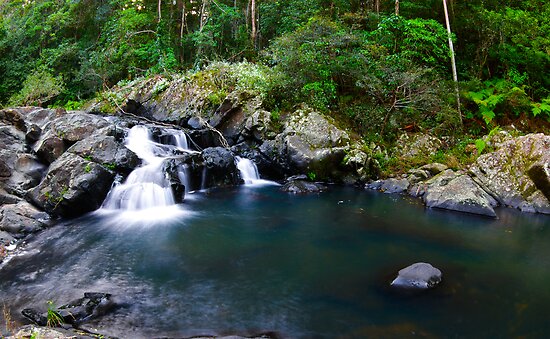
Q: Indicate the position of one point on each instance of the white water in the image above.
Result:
(147, 189)
(249, 172)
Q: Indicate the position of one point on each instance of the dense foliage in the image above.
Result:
(354, 58)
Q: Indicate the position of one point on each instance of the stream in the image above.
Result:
(253, 259)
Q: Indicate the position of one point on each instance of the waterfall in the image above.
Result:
(249, 172)
(147, 186)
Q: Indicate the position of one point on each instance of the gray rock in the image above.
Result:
(197, 123)
(5, 238)
(22, 218)
(61, 133)
(418, 276)
(375, 185)
(394, 185)
(303, 187)
(106, 150)
(458, 192)
(72, 186)
(504, 172)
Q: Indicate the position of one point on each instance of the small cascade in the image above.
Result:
(249, 172)
(147, 186)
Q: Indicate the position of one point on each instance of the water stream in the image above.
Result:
(253, 259)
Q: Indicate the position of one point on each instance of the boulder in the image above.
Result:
(309, 143)
(418, 276)
(72, 186)
(107, 151)
(303, 187)
(394, 185)
(5, 238)
(434, 168)
(458, 192)
(21, 219)
(505, 172)
(220, 167)
(61, 133)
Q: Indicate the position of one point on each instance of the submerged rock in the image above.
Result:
(303, 187)
(92, 305)
(418, 276)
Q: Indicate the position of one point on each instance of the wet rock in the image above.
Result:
(303, 187)
(458, 192)
(107, 151)
(92, 305)
(33, 331)
(418, 276)
(22, 218)
(504, 172)
(72, 186)
(220, 167)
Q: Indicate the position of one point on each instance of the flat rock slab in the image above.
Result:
(418, 276)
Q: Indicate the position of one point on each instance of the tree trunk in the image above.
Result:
(397, 7)
(377, 6)
(183, 21)
(453, 63)
(159, 12)
(253, 30)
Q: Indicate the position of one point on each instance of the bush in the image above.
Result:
(39, 88)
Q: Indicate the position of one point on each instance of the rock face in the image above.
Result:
(418, 276)
(220, 167)
(505, 172)
(516, 174)
(458, 192)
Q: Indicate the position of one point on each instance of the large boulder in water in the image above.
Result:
(505, 172)
(72, 186)
(220, 167)
(458, 192)
(418, 276)
(107, 149)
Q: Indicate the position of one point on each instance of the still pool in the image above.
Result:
(252, 260)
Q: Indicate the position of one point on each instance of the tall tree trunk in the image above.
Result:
(202, 15)
(377, 6)
(183, 21)
(453, 63)
(397, 7)
(159, 12)
(253, 30)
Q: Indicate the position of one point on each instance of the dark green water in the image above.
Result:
(252, 260)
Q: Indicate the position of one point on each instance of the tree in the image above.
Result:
(453, 63)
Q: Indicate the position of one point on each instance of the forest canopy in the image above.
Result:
(350, 57)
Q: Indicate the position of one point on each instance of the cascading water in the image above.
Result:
(147, 187)
(249, 172)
